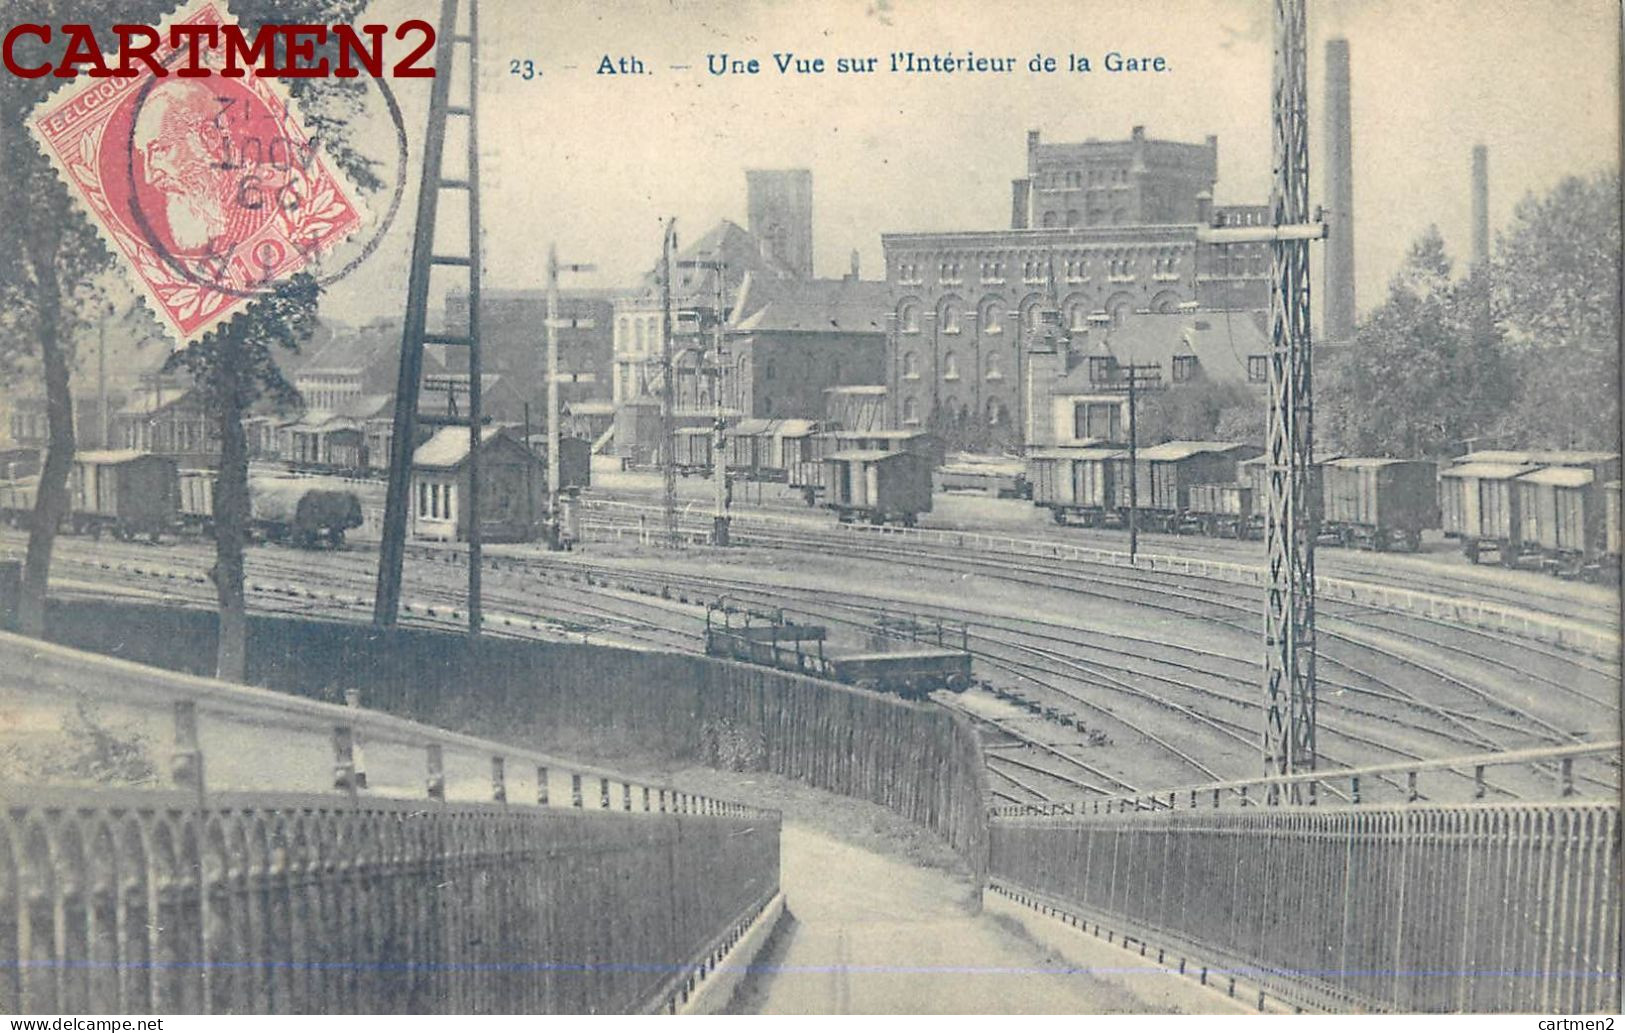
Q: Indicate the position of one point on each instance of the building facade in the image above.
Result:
(965, 303)
(513, 341)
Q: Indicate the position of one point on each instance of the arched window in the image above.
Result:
(911, 411)
(997, 414)
(948, 318)
(1049, 219)
(911, 365)
(992, 365)
(640, 344)
(950, 366)
(908, 318)
(1073, 217)
(993, 318)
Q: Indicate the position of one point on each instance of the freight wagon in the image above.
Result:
(1255, 473)
(1608, 566)
(911, 670)
(992, 476)
(1224, 510)
(877, 486)
(126, 492)
(1075, 484)
(1479, 506)
(1163, 475)
(305, 511)
(692, 447)
(1562, 511)
(750, 447)
(1379, 503)
(807, 473)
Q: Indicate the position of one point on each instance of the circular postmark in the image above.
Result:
(228, 191)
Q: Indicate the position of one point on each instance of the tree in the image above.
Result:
(1557, 295)
(1425, 371)
(50, 255)
(233, 367)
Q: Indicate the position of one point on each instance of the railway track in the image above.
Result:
(1156, 685)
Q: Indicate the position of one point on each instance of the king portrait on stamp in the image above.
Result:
(210, 190)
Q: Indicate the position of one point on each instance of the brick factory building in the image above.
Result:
(1115, 235)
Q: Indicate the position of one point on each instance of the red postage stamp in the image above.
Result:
(208, 188)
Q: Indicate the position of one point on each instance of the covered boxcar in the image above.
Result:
(1479, 505)
(1223, 510)
(127, 492)
(880, 487)
(197, 499)
(808, 474)
(750, 447)
(1562, 517)
(1379, 502)
(17, 500)
(790, 442)
(1074, 483)
(1610, 559)
(1164, 473)
(692, 448)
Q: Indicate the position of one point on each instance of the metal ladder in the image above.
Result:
(414, 335)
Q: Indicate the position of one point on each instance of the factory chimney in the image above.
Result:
(1481, 207)
(1339, 321)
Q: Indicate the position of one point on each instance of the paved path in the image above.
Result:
(877, 935)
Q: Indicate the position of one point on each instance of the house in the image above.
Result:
(513, 486)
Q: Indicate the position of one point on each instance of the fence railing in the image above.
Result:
(1409, 907)
(392, 868)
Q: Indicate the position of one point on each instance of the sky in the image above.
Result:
(594, 162)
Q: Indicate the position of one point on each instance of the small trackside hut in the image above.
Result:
(513, 487)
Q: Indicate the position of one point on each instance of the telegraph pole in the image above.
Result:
(668, 414)
(554, 323)
(1135, 376)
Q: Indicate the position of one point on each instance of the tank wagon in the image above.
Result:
(304, 511)
(912, 670)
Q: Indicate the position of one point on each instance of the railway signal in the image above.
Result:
(1134, 378)
(554, 324)
(414, 335)
(720, 518)
(668, 415)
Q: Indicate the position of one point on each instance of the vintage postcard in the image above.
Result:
(862, 507)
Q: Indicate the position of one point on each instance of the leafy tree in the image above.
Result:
(1557, 294)
(1193, 411)
(233, 367)
(50, 256)
(1425, 370)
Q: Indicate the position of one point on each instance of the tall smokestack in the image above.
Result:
(1481, 206)
(1339, 326)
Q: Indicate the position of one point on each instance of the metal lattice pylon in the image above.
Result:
(1289, 628)
(414, 334)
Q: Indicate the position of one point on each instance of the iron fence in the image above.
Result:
(117, 900)
(1408, 907)
(399, 867)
